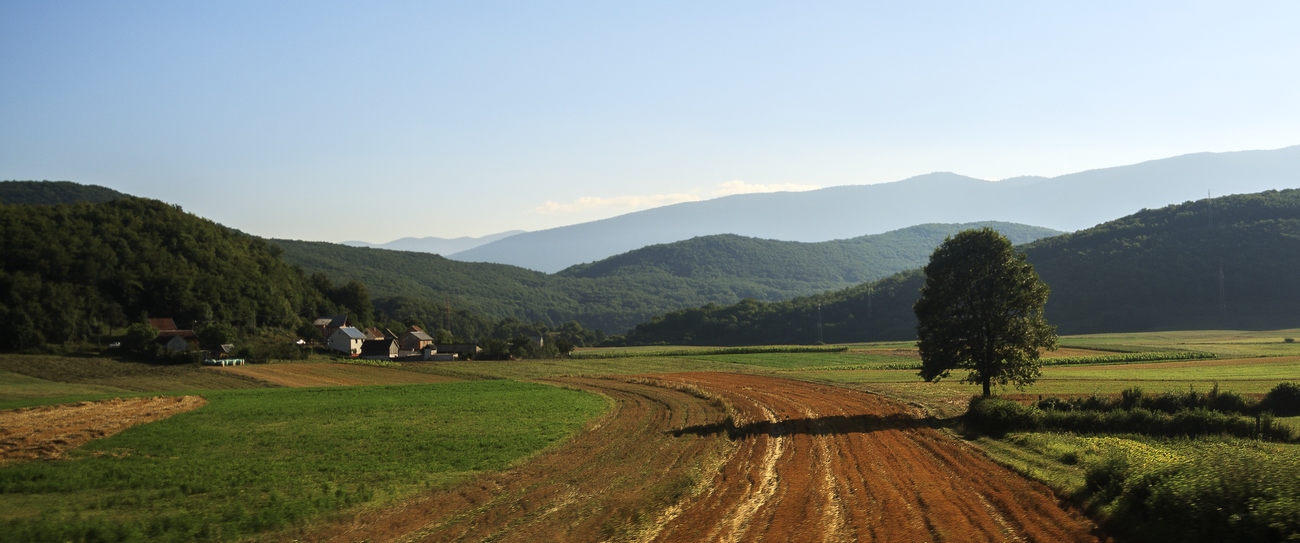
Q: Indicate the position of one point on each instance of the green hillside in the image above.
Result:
(616, 293)
(772, 270)
(54, 192)
(72, 271)
(1162, 269)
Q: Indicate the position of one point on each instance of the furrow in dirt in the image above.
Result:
(857, 467)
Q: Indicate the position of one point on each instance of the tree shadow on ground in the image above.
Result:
(817, 426)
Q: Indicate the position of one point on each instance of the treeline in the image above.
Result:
(1228, 262)
(75, 271)
(54, 192)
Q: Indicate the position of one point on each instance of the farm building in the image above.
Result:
(330, 324)
(430, 353)
(415, 339)
(167, 328)
(463, 350)
(173, 343)
(379, 349)
(374, 333)
(347, 340)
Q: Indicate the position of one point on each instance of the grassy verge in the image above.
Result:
(1154, 489)
(259, 460)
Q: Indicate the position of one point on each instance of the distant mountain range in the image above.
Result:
(1068, 202)
(1221, 263)
(615, 294)
(438, 246)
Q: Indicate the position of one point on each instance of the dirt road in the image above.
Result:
(47, 432)
(737, 458)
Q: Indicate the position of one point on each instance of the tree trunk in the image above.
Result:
(986, 386)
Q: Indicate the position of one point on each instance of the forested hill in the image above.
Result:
(1229, 262)
(70, 271)
(789, 268)
(615, 294)
(54, 192)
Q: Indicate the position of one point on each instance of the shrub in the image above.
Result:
(1289, 340)
(996, 416)
(1283, 400)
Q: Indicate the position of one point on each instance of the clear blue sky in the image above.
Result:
(335, 121)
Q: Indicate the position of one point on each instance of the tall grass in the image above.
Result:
(996, 416)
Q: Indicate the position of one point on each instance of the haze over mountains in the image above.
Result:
(1068, 202)
(435, 245)
(1173, 268)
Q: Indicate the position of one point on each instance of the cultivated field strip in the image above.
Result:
(330, 375)
(855, 467)
(738, 458)
(49, 431)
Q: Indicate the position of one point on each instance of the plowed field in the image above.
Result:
(331, 375)
(47, 432)
(774, 460)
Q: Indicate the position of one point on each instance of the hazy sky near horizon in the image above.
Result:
(362, 120)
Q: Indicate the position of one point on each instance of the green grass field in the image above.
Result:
(258, 460)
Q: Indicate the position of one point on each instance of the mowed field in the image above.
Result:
(698, 446)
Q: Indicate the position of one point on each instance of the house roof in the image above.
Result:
(351, 332)
(418, 334)
(184, 334)
(336, 321)
(374, 333)
(162, 325)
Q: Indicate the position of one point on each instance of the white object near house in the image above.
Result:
(347, 340)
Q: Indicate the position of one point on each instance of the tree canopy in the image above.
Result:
(981, 309)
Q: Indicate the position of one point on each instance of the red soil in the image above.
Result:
(733, 457)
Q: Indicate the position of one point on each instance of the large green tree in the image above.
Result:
(981, 309)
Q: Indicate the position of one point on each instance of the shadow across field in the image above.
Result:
(817, 426)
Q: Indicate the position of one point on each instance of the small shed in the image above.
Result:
(347, 340)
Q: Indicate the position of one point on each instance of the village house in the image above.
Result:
(167, 328)
(172, 343)
(328, 325)
(414, 339)
(347, 340)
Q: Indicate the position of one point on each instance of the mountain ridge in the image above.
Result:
(1067, 202)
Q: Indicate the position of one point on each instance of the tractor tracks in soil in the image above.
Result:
(737, 458)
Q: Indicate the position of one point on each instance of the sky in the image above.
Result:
(372, 121)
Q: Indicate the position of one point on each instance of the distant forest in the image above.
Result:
(617, 293)
(1229, 262)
